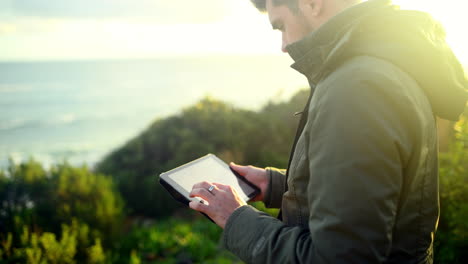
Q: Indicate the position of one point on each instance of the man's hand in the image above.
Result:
(222, 200)
(257, 176)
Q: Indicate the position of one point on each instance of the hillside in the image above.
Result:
(260, 138)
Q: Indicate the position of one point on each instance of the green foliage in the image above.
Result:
(96, 253)
(45, 248)
(90, 197)
(451, 244)
(34, 203)
(176, 241)
(134, 259)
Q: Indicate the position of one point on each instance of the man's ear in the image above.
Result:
(311, 7)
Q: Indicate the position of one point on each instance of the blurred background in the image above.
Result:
(79, 78)
(97, 97)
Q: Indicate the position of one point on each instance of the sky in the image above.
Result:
(97, 29)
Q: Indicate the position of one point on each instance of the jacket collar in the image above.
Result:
(312, 54)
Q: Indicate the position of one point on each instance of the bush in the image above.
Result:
(41, 200)
(451, 244)
(176, 241)
(43, 248)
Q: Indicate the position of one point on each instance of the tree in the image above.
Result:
(42, 200)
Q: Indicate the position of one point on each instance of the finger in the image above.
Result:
(221, 186)
(202, 193)
(203, 184)
(242, 170)
(198, 206)
(226, 188)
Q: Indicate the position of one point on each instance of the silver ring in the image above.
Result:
(211, 188)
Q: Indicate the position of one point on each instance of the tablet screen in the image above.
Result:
(211, 169)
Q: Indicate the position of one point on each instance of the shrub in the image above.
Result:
(451, 244)
(43, 248)
(176, 241)
(41, 200)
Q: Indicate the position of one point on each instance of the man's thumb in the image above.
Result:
(238, 168)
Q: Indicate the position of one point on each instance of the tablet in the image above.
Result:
(179, 181)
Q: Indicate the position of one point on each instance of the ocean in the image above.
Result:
(81, 110)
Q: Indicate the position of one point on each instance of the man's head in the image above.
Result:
(297, 18)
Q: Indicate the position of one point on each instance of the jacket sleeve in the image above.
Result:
(276, 187)
(357, 143)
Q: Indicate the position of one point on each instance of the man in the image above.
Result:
(362, 181)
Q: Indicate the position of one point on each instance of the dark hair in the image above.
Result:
(261, 4)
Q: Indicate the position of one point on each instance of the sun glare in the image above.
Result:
(451, 13)
(240, 30)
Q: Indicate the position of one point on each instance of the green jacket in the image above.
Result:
(362, 182)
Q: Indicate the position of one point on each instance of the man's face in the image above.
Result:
(292, 24)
